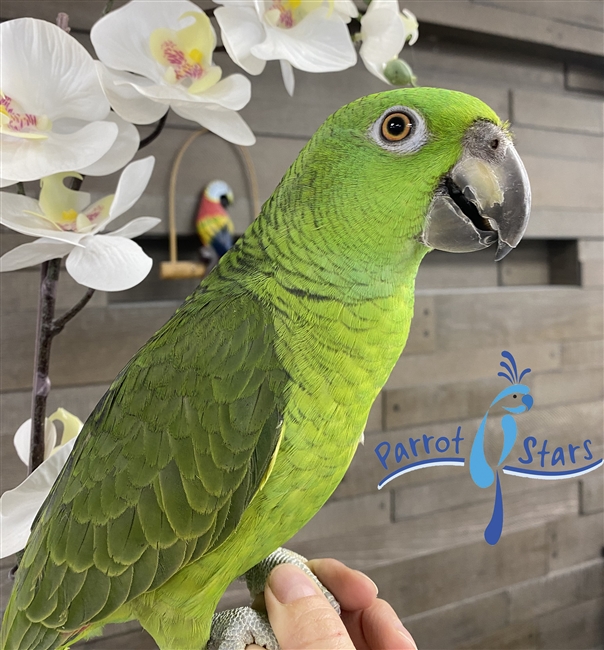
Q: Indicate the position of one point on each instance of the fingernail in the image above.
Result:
(370, 580)
(403, 631)
(289, 583)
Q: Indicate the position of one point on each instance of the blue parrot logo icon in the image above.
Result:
(481, 472)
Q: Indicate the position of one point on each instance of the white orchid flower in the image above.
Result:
(157, 55)
(384, 32)
(310, 35)
(69, 224)
(19, 507)
(54, 116)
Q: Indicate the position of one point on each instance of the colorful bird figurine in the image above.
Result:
(213, 224)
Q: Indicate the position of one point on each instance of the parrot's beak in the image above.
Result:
(480, 202)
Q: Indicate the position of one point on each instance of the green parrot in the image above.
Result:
(232, 426)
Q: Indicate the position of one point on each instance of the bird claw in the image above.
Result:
(235, 629)
(257, 576)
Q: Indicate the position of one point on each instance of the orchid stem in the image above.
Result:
(21, 189)
(49, 276)
(59, 323)
(159, 127)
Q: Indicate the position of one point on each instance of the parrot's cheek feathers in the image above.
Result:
(486, 198)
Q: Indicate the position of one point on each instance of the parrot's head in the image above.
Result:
(427, 165)
(219, 192)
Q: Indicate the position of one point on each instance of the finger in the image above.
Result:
(299, 613)
(352, 589)
(353, 621)
(383, 629)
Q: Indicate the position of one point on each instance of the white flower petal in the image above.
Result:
(121, 38)
(221, 121)
(287, 72)
(241, 29)
(133, 182)
(19, 507)
(15, 214)
(29, 160)
(22, 440)
(121, 153)
(411, 26)
(234, 92)
(320, 42)
(72, 425)
(108, 263)
(383, 33)
(31, 254)
(346, 8)
(125, 99)
(4, 182)
(48, 72)
(135, 228)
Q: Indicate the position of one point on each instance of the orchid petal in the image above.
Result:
(346, 8)
(318, 43)
(20, 213)
(108, 263)
(241, 29)
(22, 440)
(121, 153)
(133, 182)
(4, 182)
(19, 507)
(287, 72)
(383, 33)
(234, 92)
(31, 254)
(72, 425)
(125, 99)
(135, 228)
(29, 160)
(221, 121)
(411, 26)
(56, 198)
(48, 72)
(123, 35)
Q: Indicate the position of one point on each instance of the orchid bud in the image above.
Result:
(399, 73)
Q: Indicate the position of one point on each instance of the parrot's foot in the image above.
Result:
(257, 576)
(235, 629)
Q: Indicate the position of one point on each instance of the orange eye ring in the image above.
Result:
(396, 127)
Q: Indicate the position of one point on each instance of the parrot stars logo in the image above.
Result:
(502, 435)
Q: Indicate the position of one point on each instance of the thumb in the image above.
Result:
(299, 613)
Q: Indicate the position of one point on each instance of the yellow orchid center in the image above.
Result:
(65, 208)
(19, 124)
(68, 217)
(186, 54)
(288, 13)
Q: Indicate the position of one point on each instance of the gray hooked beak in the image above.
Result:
(480, 203)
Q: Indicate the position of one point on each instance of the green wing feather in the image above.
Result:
(161, 473)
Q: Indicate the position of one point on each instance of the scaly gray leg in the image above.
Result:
(234, 629)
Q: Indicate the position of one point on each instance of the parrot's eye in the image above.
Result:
(400, 130)
(514, 396)
(396, 127)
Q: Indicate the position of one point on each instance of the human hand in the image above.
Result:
(303, 619)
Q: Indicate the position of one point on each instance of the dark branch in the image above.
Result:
(59, 323)
(159, 127)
